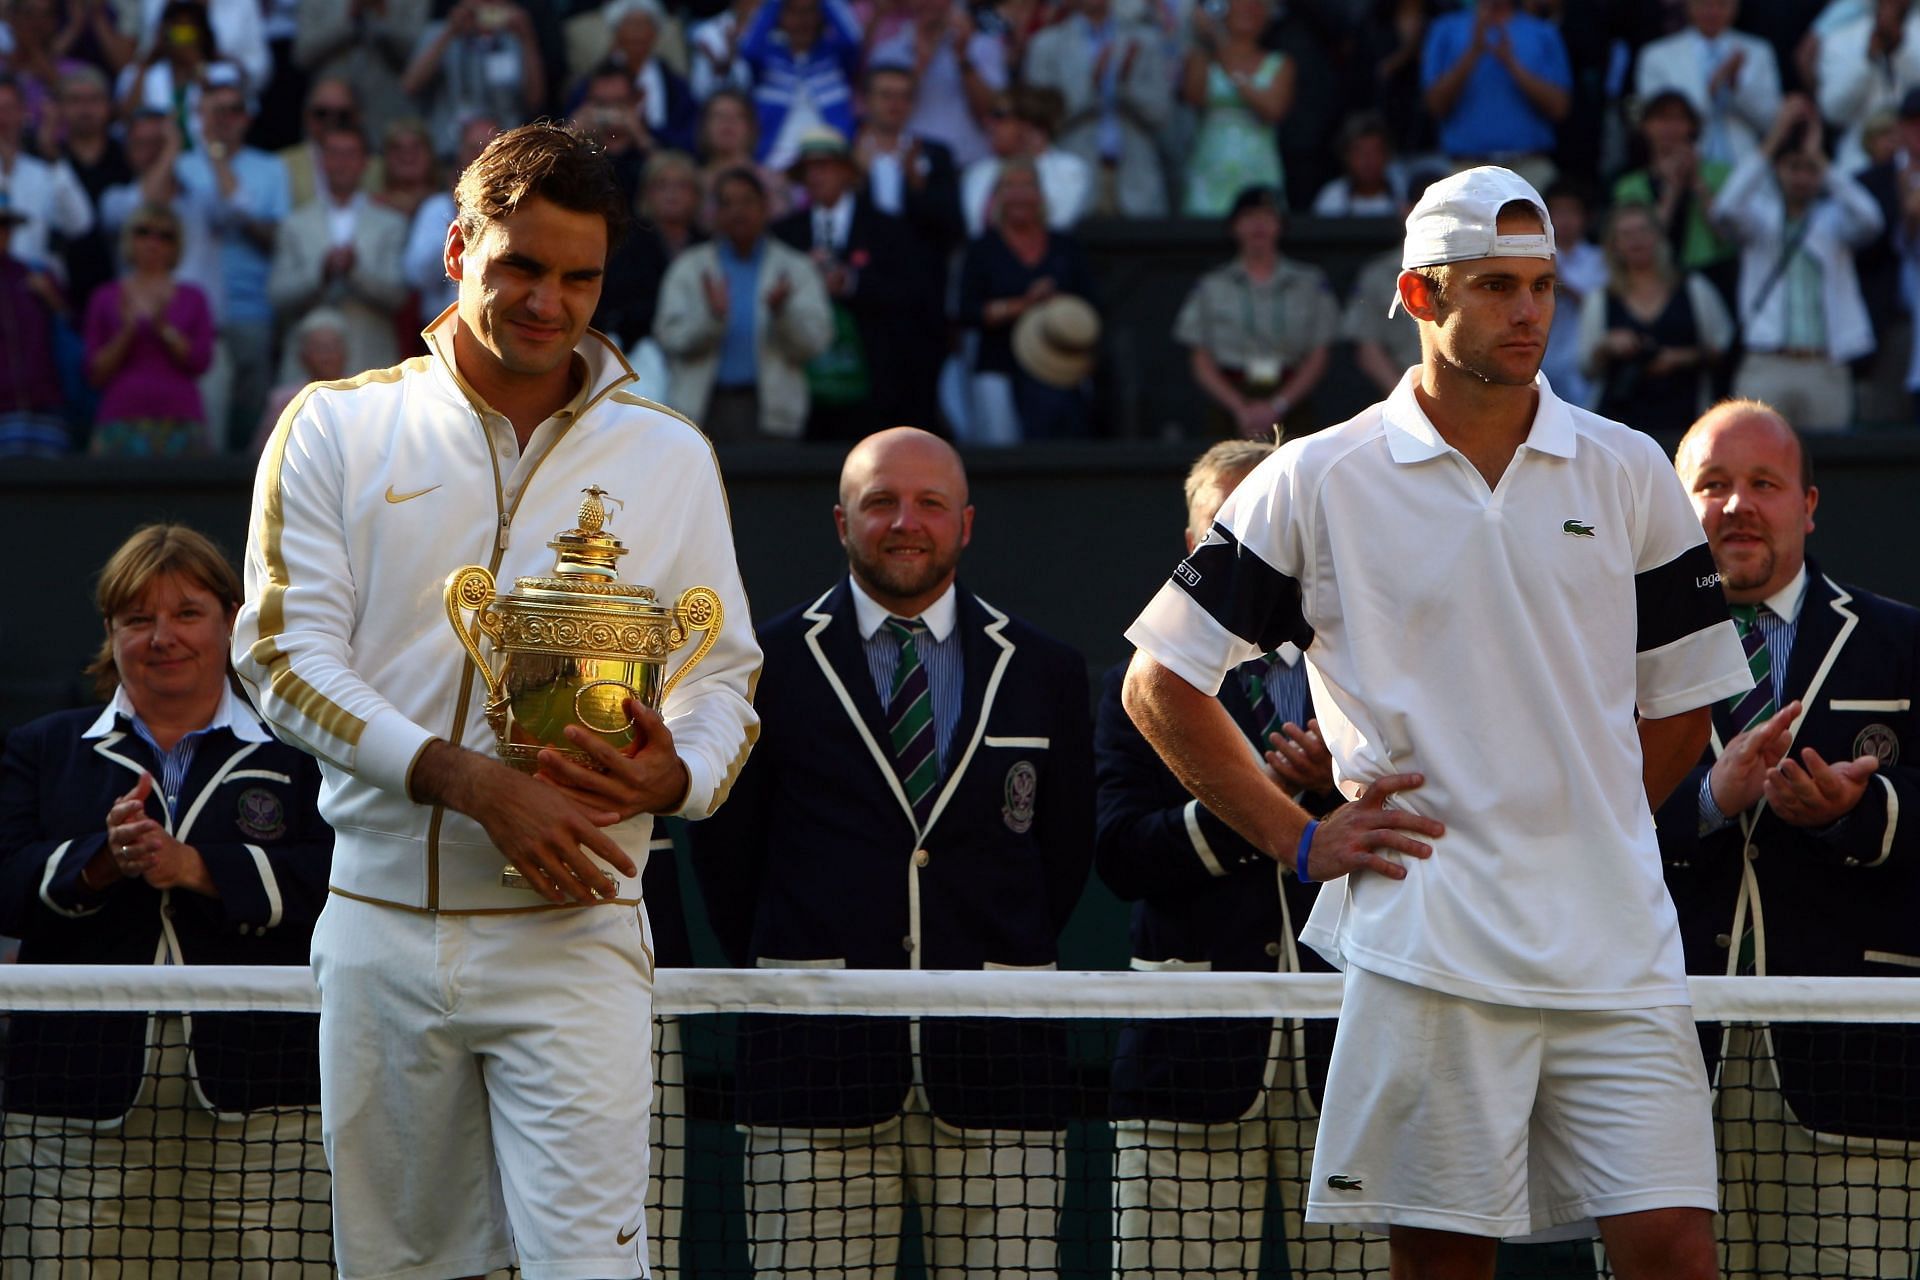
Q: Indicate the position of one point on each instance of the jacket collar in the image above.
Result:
(604, 369)
(836, 645)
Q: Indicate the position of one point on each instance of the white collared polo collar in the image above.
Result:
(941, 616)
(232, 714)
(1412, 437)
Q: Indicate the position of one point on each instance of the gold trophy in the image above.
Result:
(578, 644)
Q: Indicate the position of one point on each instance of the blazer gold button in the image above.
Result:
(921, 857)
(1273, 948)
(906, 943)
(1722, 939)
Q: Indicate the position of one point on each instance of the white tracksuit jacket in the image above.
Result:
(371, 491)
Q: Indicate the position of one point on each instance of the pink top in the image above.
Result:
(148, 383)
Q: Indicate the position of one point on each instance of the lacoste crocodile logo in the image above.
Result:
(1577, 529)
(1341, 1182)
(409, 497)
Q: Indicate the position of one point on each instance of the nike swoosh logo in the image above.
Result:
(622, 1237)
(409, 497)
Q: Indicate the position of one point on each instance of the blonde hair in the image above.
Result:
(152, 551)
(1013, 165)
(1228, 458)
(1662, 252)
(147, 214)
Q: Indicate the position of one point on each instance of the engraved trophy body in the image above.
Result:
(576, 645)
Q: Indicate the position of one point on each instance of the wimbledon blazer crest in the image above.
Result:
(260, 814)
(1022, 789)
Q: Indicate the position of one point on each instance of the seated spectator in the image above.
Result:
(1731, 79)
(48, 196)
(1679, 183)
(1651, 337)
(957, 67)
(365, 46)
(889, 326)
(908, 175)
(729, 140)
(175, 56)
(319, 345)
(235, 28)
(408, 174)
(149, 338)
(30, 56)
(343, 250)
(1866, 67)
(245, 191)
(1388, 45)
(610, 114)
(165, 828)
(1257, 329)
(711, 43)
(669, 203)
(99, 162)
(803, 59)
(1797, 221)
(665, 104)
(1893, 181)
(331, 104)
(1009, 271)
(1113, 82)
(47, 46)
(31, 404)
(1372, 184)
(482, 59)
(154, 144)
(1241, 91)
(1022, 125)
(1580, 268)
(1497, 82)
(424, 262)
(739, 319)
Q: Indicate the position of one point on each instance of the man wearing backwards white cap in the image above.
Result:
(1514, 634)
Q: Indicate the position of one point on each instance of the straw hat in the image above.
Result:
(1058, 341)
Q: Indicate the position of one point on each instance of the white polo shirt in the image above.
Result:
(1498, 642)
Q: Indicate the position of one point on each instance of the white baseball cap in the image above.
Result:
(1456, 216)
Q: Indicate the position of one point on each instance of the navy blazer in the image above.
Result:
(1840, 901)
(816, 860)
(1204, 898)
(251, 809)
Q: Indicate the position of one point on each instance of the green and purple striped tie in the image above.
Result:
(910, 720)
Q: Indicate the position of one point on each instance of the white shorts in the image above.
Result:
(478, 1071)
(1494, 1120)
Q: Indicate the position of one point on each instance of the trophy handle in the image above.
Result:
(472, 588)
(698, 610)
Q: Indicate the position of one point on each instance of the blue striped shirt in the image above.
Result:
(941, 654)
(1779, 623)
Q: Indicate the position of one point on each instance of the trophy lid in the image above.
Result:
(585, 566)
(588, 551)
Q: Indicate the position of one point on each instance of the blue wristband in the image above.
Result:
(1300, 855)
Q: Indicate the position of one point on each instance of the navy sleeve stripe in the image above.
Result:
(1678, 598)
(1243, 593)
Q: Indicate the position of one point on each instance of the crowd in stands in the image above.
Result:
(852, 214)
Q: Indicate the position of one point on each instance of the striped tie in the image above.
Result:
(1743, 711)
(1260, 675)
(910, 720)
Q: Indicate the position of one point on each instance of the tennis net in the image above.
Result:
(814, 1121)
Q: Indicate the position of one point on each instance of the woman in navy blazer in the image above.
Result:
(168, 827)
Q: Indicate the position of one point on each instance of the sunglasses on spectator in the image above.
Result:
(157, 233)
(332, 115)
